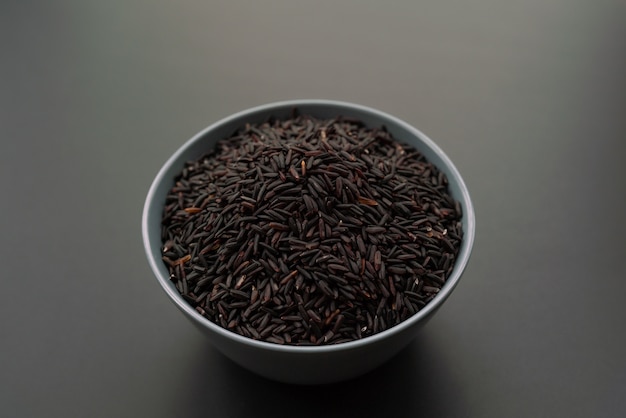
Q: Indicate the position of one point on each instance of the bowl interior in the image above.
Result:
(207, 139)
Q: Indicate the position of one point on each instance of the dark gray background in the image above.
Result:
(528, 98)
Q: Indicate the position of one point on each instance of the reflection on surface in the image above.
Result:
(416, 382)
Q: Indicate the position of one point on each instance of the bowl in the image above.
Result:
(304, 364)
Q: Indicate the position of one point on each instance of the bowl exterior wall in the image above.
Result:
(307, 368)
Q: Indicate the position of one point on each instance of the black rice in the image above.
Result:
(306, 231)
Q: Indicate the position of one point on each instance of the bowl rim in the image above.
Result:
(459, 267)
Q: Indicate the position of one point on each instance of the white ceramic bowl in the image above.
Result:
(304, 364)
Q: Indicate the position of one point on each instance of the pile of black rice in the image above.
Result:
(306, 231)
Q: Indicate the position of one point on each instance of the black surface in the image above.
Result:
(528, 98)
